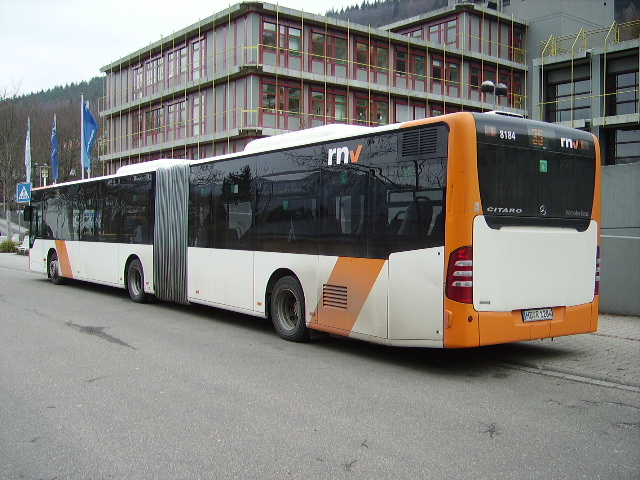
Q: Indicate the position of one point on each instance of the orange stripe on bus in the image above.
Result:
(63, 259)
(358, 275)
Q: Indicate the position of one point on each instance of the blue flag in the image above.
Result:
(54, 150)
(90, 130)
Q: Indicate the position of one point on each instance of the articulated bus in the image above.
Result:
(460, 230)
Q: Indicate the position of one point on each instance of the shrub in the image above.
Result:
(7, 247)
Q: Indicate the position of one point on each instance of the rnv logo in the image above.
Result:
(343, 155)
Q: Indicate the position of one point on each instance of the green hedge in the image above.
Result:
(7, 247)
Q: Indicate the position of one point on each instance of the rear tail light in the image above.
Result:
(597, 287)
(459, 286)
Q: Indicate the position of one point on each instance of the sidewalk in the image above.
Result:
(612, 354)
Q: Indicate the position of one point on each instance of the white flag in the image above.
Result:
(27, 152)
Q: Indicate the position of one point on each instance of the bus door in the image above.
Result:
(36, 229)
(416, 265)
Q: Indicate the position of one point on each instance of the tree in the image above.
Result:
(12, 130)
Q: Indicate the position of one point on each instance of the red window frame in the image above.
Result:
(177, 66)
(331, 50)
(371, 110)
(330, 100)
(413, 107)
(412, 65)
(373, 58)
(281, 99)
(198, 114)
(444, 32)
(198, 61)
(442, 72)
(177, 120)
(137, 84)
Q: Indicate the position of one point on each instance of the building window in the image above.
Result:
(137, 127)
(568, 100)
(281, 36)
(331, 107)
(372, 111)
(138, 83)
(372, 58)
(479, 74)
(439, 109)
(198, 115)
(409, 111)
(176, 120)
(282, 101)
(410, 65)
(444, 32)
(622, 93)
(154, 123)
(329, 48)
(155, 74)
(177, 61)
(198, 60)
(517, 42)
(447, 73)
(623, 146)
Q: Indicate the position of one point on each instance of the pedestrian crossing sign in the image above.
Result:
(23, 192)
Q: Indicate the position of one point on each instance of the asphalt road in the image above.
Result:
(94, 386)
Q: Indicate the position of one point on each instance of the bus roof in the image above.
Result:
(300, 137)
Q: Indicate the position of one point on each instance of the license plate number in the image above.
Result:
(538, 314)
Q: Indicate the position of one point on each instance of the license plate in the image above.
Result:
(538, 314)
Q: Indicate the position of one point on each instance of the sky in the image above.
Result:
(47, 43)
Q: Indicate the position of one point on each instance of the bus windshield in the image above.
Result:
(534, 173)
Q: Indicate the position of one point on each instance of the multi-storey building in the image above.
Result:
(589, 80)
(256, 70)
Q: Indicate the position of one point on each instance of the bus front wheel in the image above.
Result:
(135, 282)
(54, 270)
(287, 310)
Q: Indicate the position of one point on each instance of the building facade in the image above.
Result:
(256, 70)
(589, 80)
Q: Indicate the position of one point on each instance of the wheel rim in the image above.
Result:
(53, 267)
(288, 309)
(136, 282)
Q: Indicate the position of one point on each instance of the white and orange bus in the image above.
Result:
(460, 230)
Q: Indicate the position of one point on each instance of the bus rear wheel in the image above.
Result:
(287, 310)
(135, 282)
(54, 270)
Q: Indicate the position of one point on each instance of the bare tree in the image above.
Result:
(12, 143)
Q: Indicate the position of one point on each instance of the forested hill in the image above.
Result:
(384, 12)
(62, 95)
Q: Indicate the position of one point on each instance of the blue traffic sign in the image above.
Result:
(23, 192)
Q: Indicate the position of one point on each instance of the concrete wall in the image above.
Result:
(557, 18)
(620, 246)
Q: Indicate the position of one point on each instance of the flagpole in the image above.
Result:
(88, 153)
(54, 155)
(27, 152)
(82, 152)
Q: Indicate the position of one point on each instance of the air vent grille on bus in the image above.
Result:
(423, 143)
(334, 296)
(420, 142)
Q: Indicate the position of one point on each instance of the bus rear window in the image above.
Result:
(535, 174)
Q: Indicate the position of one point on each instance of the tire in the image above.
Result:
(54, 270)
(287, 310)
(135, 282)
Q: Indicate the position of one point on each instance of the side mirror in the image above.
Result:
(28, 210)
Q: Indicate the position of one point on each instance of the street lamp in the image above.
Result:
(43, 173)
(499, 90)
